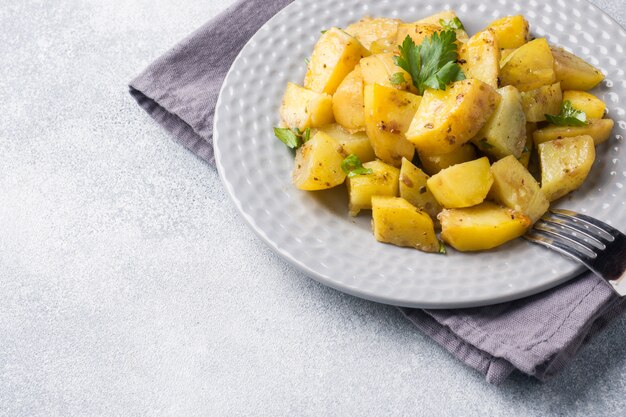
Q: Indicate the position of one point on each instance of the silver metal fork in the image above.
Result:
(598, 246)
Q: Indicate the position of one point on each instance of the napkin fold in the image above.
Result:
(537, 335)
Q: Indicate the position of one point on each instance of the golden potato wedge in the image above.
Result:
(462, 185)
(447, 119)
(481, 227)
(432, 164)
(505, 132)
(504, 54)
(565, 164)
(388, 113)
(414, 190)
(599, 129)
(480, 57)
(396, 221)
(304, 108)
(446, 16)
(348, 101)
(511, 31)
(335, 55)
(350, 143)
(318, 164)
(515, 188)
(417, 31)
(383, 46)
(368, 30)
(574, 73)
(379, 68)
(541, 101)
(593, 107)
(530, 66)
(383, 181)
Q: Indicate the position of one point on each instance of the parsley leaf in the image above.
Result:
(569, 116)
(451, 24)
(293, 138)
(442, 247)
(433, 64)
(352, 166)
(397, 78)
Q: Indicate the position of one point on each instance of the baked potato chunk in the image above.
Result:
(515, 188)
(593, 107)
(530, 66)
(414, 190)
(417, 31)
(318, 164)
(379, 68)
(350, 143)
(462, 185)
(511, 31)
(574, 73)
(565, 164)
(541, 101)
(480, 57)
(398, 222)
(304, 108)
(388, 113)
(368, 30)
(599, 129)
(481, 227)
(383, 181)
(348, 101)
(446, 16)
(335, 55)
(505, 132)
(447, 119)
(432, 164)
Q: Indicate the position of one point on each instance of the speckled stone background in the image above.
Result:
(130, 287)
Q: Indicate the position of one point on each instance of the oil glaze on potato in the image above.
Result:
(481, 227)
(388, 113)
(598, 129)
(480, 57)
(318, 164)
(514, 187)
(573, 72)
(383, 181)
(348, 102)
(414, 190)
(396, 221)
(530, 66)
(335, 55)
(304, 108)
(565, 164)
(462, 185)
(447, 119)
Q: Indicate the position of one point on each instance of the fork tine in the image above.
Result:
(574, 229)
(559, 244)
(565, 232)
(572, 216)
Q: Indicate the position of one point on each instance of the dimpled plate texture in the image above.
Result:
(314, 232)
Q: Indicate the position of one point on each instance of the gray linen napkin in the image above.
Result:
(538, 335)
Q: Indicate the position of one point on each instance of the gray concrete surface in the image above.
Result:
(129, 286)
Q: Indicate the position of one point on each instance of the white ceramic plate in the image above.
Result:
(314, 232)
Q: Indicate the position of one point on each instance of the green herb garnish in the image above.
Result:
(433, 64)
(451, 24)
(397, 78)
(442, 247)
(569, 116)
(352, 166)
(292, 137)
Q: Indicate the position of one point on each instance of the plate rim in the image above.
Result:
(577, 271)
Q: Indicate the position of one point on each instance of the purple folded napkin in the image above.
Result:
(537, 335)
